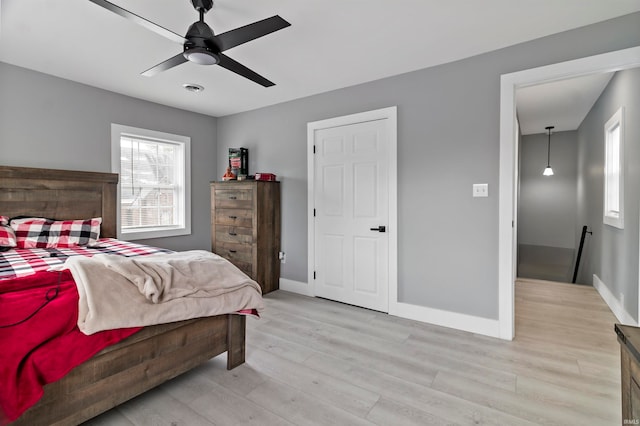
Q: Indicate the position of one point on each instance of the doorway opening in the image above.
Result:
(509, 154)
(550, 116)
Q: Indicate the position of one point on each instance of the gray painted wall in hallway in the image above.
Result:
(611, 253)
(53, 123)
(547, 208)
(448, 139)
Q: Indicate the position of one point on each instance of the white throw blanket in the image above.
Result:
(119, 292)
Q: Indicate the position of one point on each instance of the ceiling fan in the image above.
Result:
(201, 45)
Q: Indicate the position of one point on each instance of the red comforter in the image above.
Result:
(45, 347)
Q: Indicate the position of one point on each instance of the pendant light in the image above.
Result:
(548, 171)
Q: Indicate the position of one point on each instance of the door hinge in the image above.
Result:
(314, 212)
(314, 275)
(314, 149)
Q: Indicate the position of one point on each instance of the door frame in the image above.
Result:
(508, 174)
(391, 115)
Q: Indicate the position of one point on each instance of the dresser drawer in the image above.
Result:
(236, 198)
(234, 217)
(234, 234)
(235, 251)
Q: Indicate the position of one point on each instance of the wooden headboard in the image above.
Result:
(59, 194)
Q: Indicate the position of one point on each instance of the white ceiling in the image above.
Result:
(331, 43)
(562, 104)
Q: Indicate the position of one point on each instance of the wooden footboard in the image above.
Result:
(139, 363)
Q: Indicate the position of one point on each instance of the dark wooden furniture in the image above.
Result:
(138, 363)
(245, 228)
(629, 339)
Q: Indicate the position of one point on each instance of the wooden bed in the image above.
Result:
(138, 363)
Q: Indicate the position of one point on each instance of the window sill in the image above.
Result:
(616, 222)
(154, 233)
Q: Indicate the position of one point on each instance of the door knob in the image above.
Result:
(380, 228)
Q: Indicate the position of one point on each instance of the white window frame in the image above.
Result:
(611, 216)
(184, 196)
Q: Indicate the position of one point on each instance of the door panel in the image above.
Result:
(365, 188)
(366, 281)
(334, 255)
(332, 187)
(351, 198)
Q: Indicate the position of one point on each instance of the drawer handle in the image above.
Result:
(232, 234)
(233, 217)
(233, 197)
(232, 251)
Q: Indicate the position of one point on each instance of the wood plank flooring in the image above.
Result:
(316, 362)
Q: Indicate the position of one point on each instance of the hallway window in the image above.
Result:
(614, 170)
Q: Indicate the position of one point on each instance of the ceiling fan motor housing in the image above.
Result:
(199, 47)
(204, 5)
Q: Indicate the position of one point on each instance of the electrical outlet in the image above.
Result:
(282, 256)
(480, 189)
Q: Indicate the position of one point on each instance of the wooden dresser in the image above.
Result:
(629, 339)
(245, 228)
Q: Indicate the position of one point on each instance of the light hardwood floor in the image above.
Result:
(316, 362)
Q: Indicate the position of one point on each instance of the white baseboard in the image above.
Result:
(470, 323)
(295, 287)
(614, 303)
(458, 321)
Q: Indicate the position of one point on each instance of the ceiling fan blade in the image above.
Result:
(163, 66)
(140, 21)
(249, 32)
(238, 68)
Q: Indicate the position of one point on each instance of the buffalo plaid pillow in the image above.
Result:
(48, 233)
(7, 236)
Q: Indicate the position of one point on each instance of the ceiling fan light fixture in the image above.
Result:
(201, 56)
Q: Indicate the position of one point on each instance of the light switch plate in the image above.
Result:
(480, 189)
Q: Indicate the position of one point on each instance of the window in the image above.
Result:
(614, 170)
(153, 189)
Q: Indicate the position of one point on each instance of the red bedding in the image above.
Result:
(36, 351)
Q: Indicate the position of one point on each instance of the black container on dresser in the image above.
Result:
(245, 228)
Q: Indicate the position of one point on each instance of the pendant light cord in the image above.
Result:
(549, 146)
(549, 149)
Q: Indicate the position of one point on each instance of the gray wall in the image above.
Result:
(547, 208)
(49, 122)
(448, 139)
(611, 253)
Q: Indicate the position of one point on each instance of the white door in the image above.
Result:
(351, 199)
